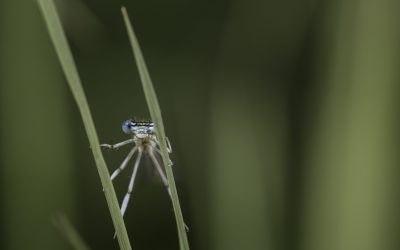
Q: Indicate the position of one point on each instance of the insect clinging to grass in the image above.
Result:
(145, 143)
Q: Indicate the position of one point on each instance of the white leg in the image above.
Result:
(118, 145)
(163, 178)
(159, 152)
(123, 164)
(169, 148)
(160, 172)
(125, 202)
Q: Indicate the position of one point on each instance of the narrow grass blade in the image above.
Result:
(67, 229)
(67, 62)
(155, 114)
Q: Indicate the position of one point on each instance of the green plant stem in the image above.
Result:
(67, 62)
(155, 114)
(69, 232)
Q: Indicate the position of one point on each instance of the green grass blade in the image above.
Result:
(155, 114)
(67, 62)
(69, 232)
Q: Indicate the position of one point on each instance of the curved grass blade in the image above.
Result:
(69, 232)
(62, 48)
(155, 114)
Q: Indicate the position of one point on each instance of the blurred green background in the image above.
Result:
(283, 116)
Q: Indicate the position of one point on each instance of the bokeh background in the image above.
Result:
(283, 116)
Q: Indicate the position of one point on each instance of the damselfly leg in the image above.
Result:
(131, 182)
(118, 145)
(124, 163)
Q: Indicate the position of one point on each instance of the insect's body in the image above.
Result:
(145, 140)
(145, 143)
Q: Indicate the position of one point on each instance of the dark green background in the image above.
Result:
(283, 116)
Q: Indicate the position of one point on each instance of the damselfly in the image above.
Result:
(146, 143)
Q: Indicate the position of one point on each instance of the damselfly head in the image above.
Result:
(137, 128)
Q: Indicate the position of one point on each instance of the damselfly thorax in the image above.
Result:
(146, 143)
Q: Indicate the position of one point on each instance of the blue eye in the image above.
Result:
(127, 126)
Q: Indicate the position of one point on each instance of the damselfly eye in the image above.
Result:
(127, 126)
